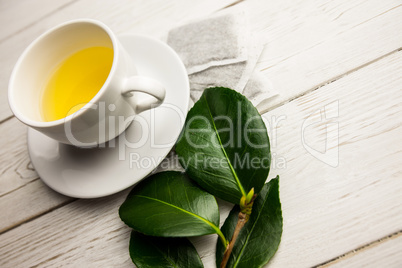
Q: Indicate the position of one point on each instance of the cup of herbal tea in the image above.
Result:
(75, 84)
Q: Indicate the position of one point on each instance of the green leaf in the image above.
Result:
(260, 237)
(224, 146)
(168, 204)
(153, 252)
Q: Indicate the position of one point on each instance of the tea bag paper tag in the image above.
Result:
(261, 92)
(234, 76)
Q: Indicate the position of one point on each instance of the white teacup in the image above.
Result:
(111, 110)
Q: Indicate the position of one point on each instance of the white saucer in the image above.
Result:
(97, 172)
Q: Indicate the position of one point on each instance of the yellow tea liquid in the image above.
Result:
(75, 81)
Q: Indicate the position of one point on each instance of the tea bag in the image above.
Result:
(220, 51)
(214, 41)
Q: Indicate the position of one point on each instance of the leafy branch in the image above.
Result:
(222, 127)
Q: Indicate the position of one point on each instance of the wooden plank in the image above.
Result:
(327, 211)
(16, 169)
(310, 41)
(69, 245)
(386, 253)
(17, 15)
(289, 28)
(340, 50)
(27, 202)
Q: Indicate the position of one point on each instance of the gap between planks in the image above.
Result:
(317, 44)
(359, 250)
(62, 204)
(16, 189)
(230, 5)
(329, 81)
(5, 120)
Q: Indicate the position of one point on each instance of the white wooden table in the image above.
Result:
(341, 57)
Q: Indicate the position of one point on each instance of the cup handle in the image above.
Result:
(144, 85)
